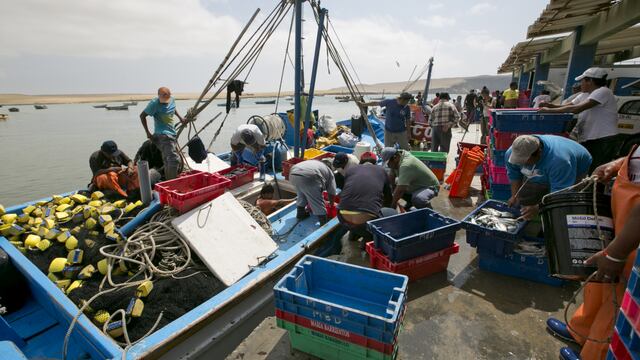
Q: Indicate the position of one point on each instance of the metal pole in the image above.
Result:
(428, 82)
(297, 78)
(314, 70)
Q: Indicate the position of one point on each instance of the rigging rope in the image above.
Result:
(284, 62)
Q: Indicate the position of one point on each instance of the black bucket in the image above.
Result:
(570, 231)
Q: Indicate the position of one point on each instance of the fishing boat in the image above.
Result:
(233, 104)
(130, 103)
(213, 328)
(102, 106)
(380, 97)
(117, 107)
(345, 100)
(4, 116)
(289, 98)
(265, 102)
(14, 109)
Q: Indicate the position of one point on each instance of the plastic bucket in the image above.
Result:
(570, 230)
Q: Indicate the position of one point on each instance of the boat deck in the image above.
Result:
(465, 313)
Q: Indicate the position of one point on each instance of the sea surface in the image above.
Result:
(46, 152)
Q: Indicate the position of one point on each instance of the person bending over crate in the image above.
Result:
(415, 183)
(365, 194)
(540, 164)
(246, 135)
(592, 323)
(311, 178)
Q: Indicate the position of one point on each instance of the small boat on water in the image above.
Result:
(130, 103)
(380, 97)
(40, 107)
(290, 98)
(100, 106)
(117, 107)
(345, 100)
(341, 97)
(265, 102)
(4, 116)
(14, 109)
(233, 104)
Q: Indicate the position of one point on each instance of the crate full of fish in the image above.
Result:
(405, 236)
(493, 220)
(239, 174)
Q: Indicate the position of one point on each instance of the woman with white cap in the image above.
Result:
(597, 127)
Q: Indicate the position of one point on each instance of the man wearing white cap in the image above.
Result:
(540, 164)
(597, 127)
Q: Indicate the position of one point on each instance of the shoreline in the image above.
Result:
(22, 99)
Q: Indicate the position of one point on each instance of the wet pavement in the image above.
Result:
(464, 313)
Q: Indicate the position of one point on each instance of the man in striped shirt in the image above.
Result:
(443, 117)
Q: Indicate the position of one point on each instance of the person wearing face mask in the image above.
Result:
(541, 164)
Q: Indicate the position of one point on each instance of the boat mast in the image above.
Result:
(297, 90)
(428, 82)
(314, 71)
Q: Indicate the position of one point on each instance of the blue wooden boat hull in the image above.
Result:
(211, 330)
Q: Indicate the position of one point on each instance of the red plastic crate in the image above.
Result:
(503, 140)
(498, 174)
(187, 192)
(416, 268)
(469, 146)
(618, 349)
(332, 211)
(288, 164)
(336, 332)
(239, 180)
(439, 173)
(631, 309)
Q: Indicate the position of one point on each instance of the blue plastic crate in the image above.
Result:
(355, 298)
(337, 148)
(633, 284)
(530, 121)
(628, 335)
(501, 192)
(412, 234)
(478, 235)
(497, 157)
(521, 266)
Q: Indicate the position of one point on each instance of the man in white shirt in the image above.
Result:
(597, 128)
(544, 97)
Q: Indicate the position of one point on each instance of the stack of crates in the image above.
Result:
(436, 161)
(625, 342)
(505, 127)
(417, 243)
(334, 310)
(497, 249)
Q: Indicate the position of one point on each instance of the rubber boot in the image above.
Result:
(301, 213)
(323, 219)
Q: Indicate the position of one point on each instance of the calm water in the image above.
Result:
(45, 152)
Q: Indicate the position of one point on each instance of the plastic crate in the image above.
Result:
(439, 173)
(501, 192)
(328, 347)
(526, 267)
(354, 298)
(337, 148)
(530, 121)
(631, 310)
(628, 336)
(475, 231)
(238, 180)
(497, 157)
(313, 153)
(498, 174)
(617, 350)
(428, 157)
(187, 192)
(412, 234)
(464, 145)
(416, 268)
(336, 332)
(288, 164)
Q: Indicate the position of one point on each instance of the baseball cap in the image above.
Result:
(110, 147)
(522, 149)
(340, 160)
(405, 96)
(369, 155)
(594, 72)
(387, 153)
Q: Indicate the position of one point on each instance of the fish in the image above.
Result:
(496, 220)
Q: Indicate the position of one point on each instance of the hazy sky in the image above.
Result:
(116, 46)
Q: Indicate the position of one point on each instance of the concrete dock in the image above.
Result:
(464, 313)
